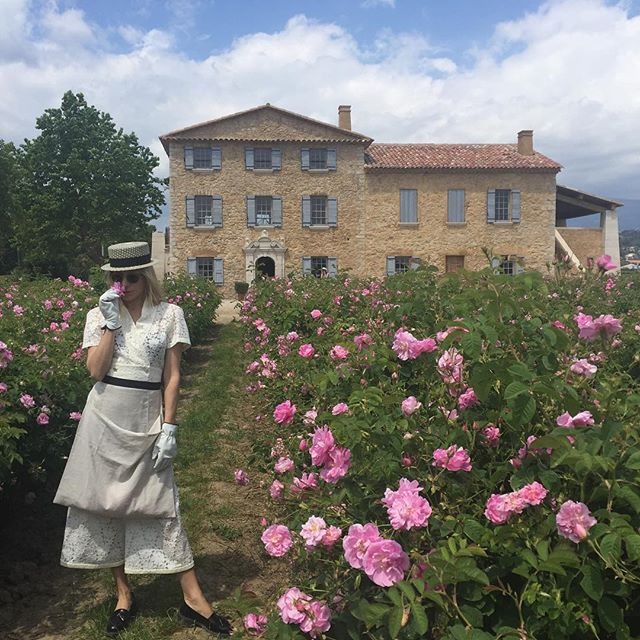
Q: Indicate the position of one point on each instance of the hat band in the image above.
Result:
(130, 262)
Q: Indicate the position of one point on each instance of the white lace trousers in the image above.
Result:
(142, 545)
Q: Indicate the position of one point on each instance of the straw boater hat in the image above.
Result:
(128, 256)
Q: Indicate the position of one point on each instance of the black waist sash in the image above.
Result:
(132, 384)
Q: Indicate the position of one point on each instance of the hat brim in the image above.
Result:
(137, 267)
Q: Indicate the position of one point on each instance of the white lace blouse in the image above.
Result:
(139, 347)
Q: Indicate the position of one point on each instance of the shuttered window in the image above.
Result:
(209, 268)
(320, 266)
(318, 159)
(204, 211)
(262, 159)
(408, 205)
(199, 157)
(319, 211)
(401, 264)
(455, 205)
(503, 205)
(264, 211)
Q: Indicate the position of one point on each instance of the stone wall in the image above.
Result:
(585, 243)
(433, 238)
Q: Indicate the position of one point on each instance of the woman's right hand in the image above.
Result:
(110, 309)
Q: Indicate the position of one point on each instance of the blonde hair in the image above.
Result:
(152, 288)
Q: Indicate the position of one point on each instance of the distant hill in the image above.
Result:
(629, 215)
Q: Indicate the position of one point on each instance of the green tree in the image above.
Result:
(8, 178)
(85, 184)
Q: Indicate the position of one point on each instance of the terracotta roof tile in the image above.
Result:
(455, 156)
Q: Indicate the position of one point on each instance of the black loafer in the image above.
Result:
(120, 619)
(214, 623)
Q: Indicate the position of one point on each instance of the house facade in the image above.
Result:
(273, 192)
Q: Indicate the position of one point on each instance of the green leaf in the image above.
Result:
(473, 615)
(632, 544)
(520, 371)
(609, 614)
(369, 612)
(419, 620)
(474, 530)
(633, 461)
(610, 547)
(407, 589)
(515, 389)
(591, 582)
(628, 495)
(395, 621)
(472, 345)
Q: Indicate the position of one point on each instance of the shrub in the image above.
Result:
(485, 425)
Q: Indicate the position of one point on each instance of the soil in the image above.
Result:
(41, 600)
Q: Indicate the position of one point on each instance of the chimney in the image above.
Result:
(525, 142)
(344, 116)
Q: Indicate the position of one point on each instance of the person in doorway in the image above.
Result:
(123, 506)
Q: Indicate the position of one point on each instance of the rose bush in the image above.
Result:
(482, 468)
(43, 379)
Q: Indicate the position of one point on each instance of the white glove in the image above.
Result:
(165, 448)
(110, 308)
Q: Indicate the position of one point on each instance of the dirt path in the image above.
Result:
(41, 600)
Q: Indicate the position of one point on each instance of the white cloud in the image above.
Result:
(14, 27)
(570, 71)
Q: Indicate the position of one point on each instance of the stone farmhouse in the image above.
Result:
(271, 191)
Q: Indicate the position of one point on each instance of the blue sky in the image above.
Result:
(412, 70)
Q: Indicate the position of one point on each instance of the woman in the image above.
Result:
(118, 485)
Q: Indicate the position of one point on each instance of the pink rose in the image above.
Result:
(3, 387)
(27, 401)
(306, 351)
(574, 520)
(322, 443)
(313, 531)
(357, 541)
(283, 465)
(240, 477)
(42, 418)
(340, 408)
(583, 367)
(316, 313)
(605, 263)
(467, 399)
(491, 434)
(336, 465)
(410, 405)
(284, 412)
(385, 562)
(292, 606)
(453, 459)
(255, 624)
(277, 540)
(338, 353)
(276, 490)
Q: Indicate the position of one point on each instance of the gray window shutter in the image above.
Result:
(491, 206)
(304, 159)
(306, 211)
(332, 212)
(248, 158)
(216, 158)
(276, 211)
(192, 266)
(191, 211)
(276, 159)
(331, 159)
(251, 211)
(306, 266)
(216, 210)
(218, 270)
(332, 267)
(455, 205)
(391, 265)
(515, 206)
(415, 262)
(188, 157)
(408, 205)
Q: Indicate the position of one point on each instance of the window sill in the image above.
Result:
(503, 223)
(456, 224)
(320, 227)
(408, 225)
(264, 226)
(319, 170)
(263, 170)
(203, 169)
(204, 227)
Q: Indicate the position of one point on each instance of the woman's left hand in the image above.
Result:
(165, 448)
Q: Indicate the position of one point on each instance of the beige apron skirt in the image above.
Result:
(110, 470)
